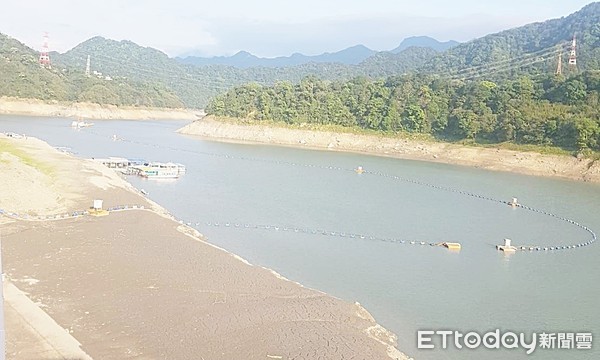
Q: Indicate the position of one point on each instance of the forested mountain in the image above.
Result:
(352, 55)
(22, 76)
(195, 85)
(531, 49)
(125, 59)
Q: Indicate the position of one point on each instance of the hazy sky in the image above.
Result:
(267, 27)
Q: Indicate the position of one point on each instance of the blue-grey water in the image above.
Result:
(405, 287)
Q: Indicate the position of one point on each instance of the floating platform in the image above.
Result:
(452, 246)
(507, 247)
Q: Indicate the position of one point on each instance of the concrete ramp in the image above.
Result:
(33, 334)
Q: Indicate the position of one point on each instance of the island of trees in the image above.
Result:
(553, 110)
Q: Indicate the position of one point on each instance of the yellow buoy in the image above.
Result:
(100, 212)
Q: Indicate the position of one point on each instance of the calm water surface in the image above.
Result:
(406, 287)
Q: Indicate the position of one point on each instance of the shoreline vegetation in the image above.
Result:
(34, 107)
(136, 273)
(523, 159)
(526, 160)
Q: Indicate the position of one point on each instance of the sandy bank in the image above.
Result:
(528, 163)
(37, 179)
(32, 107)
(138, 285)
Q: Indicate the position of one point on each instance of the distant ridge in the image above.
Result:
(243, 59)
(426, 42)
(351, 56)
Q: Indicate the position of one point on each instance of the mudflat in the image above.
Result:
(138, 284)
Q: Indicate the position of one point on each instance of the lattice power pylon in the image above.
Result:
(559, 65)
(45, 53)
(88, 67)
(573, 53)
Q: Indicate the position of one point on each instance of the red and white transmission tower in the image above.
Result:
(45, 53)
(573, 53)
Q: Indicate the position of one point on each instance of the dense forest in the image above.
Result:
(554, 110)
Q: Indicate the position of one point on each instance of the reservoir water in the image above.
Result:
(405, 287)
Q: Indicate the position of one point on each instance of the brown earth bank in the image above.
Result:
(139, 285)
(32, 107)
(524, 162)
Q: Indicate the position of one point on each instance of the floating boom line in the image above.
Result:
(590, 241)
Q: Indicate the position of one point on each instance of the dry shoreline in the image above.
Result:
(528, 163)
(139, 284)
(33, 107)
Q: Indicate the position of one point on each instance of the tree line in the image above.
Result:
(550, 110)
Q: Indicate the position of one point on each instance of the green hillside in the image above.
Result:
(195, 85)
(22, 76)
(531, 49)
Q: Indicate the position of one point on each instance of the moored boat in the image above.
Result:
(80, 124)
(157, 170)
